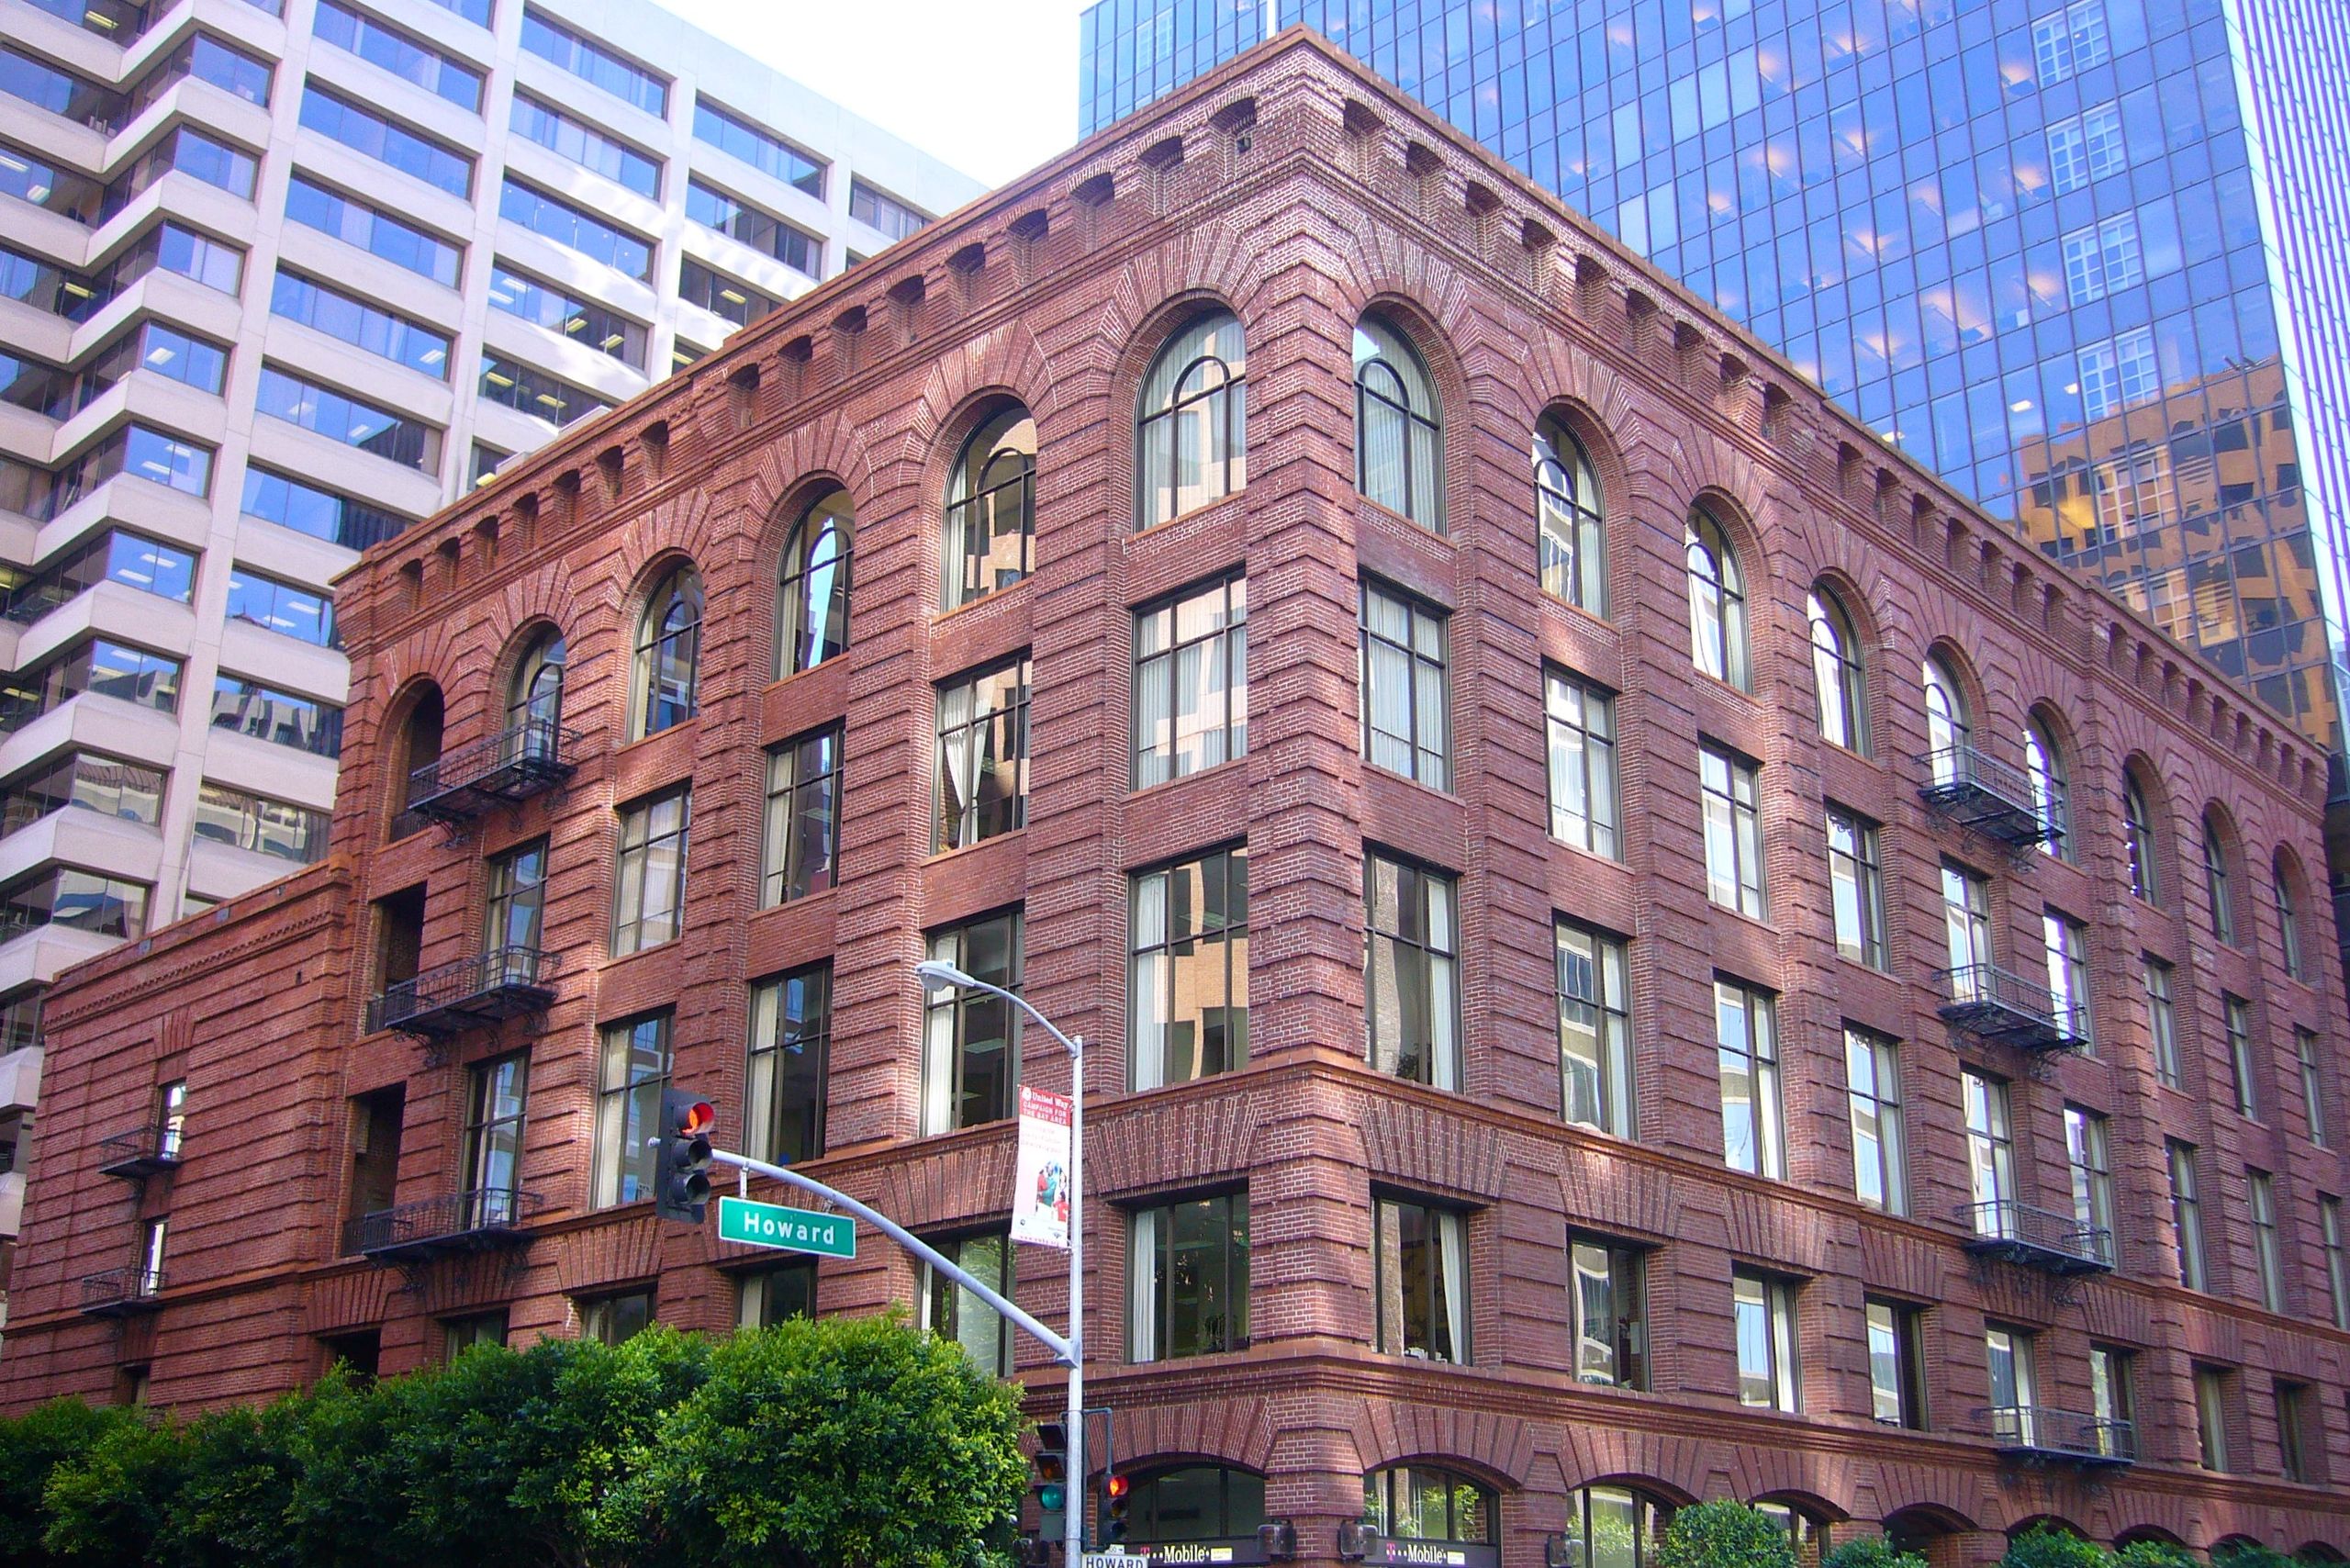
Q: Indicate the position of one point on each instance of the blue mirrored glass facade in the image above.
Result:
(2089, 261)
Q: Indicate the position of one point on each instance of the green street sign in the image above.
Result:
(794, 1230)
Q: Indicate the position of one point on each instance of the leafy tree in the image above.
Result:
(2248, 1554)
(1724, 1534)
(31, 1446)
(1873, 1551)
(111, 1507)
(2155, 1554)
(839, 1440)
(2049, 1546)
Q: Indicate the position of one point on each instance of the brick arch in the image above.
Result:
(608, 1255)
(546, 594)
(1802, 1500)
(1495, 1448)
(429, 653)
(683, 524)
(1235, 1432)
(1006, 361)
(1210, 261)
(1673, 1466)
(1960, 1500)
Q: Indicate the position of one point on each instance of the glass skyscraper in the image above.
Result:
(2090, 260)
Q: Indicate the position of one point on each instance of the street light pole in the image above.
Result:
(939, 975)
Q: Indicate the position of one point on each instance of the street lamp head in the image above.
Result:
(937, 974)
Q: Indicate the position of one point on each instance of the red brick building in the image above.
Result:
(1634, 948)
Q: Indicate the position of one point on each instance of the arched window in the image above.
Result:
(1426, 1502)
(812, 602)
(668, 654)
(1613, 1526)
(1191, 420)
(2138, 835)
(1192, 1504)
(1573, 518)
(1949, 731)
(1717, 602)
(2217, 881)
(1399, 439)
(2044, 765)
(1807, 1531)
(2289, 922)
(418, 754)
(1837, 681)
(534, 701)
(991, 508)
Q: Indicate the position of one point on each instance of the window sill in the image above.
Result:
(939, 856)
(1136, 792)
(939, 618)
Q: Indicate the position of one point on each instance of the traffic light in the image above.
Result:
(1052, 1477)
(678, 1159)
(1115, 1501)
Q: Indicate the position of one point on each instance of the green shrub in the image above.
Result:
(2155, 1554)
(31, 1446)
(2047, 1546)
(1870, 1551)
(1725, 1535)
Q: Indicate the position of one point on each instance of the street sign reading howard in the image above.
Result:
(794, 1230)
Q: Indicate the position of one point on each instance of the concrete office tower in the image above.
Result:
(1633, 947)
(2087, 261)
(279, 279)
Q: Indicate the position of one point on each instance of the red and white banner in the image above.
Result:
(1040, 1171)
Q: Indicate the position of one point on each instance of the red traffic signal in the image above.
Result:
(695, 1117)
(677, 1169)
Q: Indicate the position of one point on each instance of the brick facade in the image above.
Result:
(1297, 191)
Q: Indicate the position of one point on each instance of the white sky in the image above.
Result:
(987, 86)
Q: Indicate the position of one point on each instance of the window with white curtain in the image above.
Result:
(1839, 692)
(1188, 1278)
(649, 883)
(811, 598)
(1580, 719)
(1717, 602)
(1411, 966)
(1406, 710)
(2162, 1023)
(2044, 765)
(2067, 941)
(668, 655)
(1421, 1261)
(1573, 518)
(991, 525)
(1766, 1324)
(1188, 980)
(2085, 1155)
(1991, 1153)
(1191, 421)
(1595, 1030)
(1949, 730)
(1399, 440)
(1190, 692)
(2186, 1213)
(1873, 1087)
(971, 1039)
(1731, 791)
(981, 776)
(1746, 1043)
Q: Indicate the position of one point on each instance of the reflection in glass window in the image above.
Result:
(1420, 1261)
(1191, 690)
(991, 508)
(1399, 444)
(1573, 517)
(1423, 1502)
(981, 776)
(1411, 962)
(649, 888)
(1188, 982)
(953, 1312)
(1580, 721)
(971, 1039)
(790, 1059)
(1189, 1278)
(812, 595)
(634, 1070)
(1407, 705)
(1191, 421)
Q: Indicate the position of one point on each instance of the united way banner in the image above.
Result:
(1040, 1174)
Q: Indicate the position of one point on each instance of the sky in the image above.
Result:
(987, 86)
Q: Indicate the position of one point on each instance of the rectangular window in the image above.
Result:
(1190, 699)
(1189, 1278)
(2067, 157)
(255, 822)
(77, 899)
(574, 139)
(2337, 1257)
(1767, 1375)
(2070, 41)
(1188, 977)
(2113, 1401)
(1873, 1078)
(1420, 1258)
(634, 1070)
(1411, 966)
(981, 773)
(496, 1094)
(122, 790)
(649, 892)
(280, 717)
(2102, 259)
(528, 391)
(790, 1062)
(2267, 1263)
(715, 292)
(1991, 1153)
(760, 229)
(2186, 1213)
(803, 836)
(1746, 1044)
(404, 56)
(338, 416)
(2305, 1055)
(115, 555)
(971, 1040)
(1607, 1294)
(377, 232)
(1406, 712)
(1966, 914)
(2236, 1013)
(953, 1312)
(388, 142)
(199, 258)
(2092, 1174)
(1897, 1364)
(1731, 790)
(731, 134)
(595, 64)
(2014, 1402)
(1594, 1031)
(765, 1297)
(515, 913)
(2068, 972)
(2293, 1432)
(551, 217)
(612, 1319)
(876, 209)
(301, 613)
(100, 667)
(2211, 1416)
(360, 323)
(1856, 885)
(459, 1334)
(2163, 1023)
(1581, 719)
(148, 1277)
(574, 319)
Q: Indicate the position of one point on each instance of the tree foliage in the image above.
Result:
(865, 1438)
(2155, 1554)
(1870, 1551)
(2050, 1546)
(1725, 1535)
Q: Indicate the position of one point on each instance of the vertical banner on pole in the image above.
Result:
(1040, 1173)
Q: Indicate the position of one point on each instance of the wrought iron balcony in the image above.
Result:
(477, 1221)
(510, 766)
(2043, 1436)
(141, 1152)
(121, 1293)
(2002, 1007)
(1992, 798)
(502, 983)
(2037, 1239)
